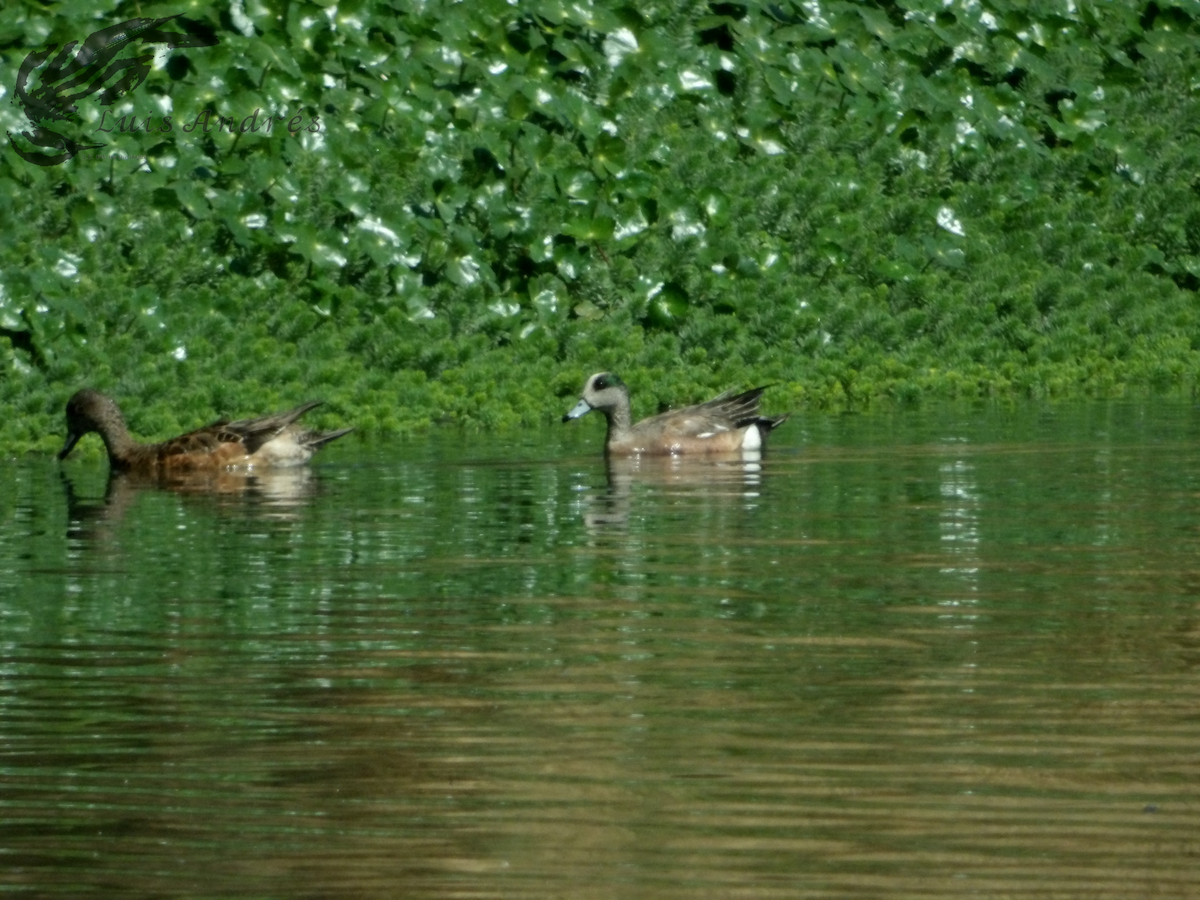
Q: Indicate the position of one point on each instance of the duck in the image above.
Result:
(729, 423)
(269, 441)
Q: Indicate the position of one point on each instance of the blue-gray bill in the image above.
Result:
(581, 408)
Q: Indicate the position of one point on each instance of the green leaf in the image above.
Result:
(944, 254)
(590, 229)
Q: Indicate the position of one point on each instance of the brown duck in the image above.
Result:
(729, 423)
(272, 441)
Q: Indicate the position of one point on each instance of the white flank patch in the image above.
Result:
(282, 451)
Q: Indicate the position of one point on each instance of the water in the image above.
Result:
(939, 653)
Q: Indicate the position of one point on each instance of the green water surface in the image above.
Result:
(935, 653)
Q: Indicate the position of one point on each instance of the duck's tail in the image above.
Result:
(318, 439)
(766, 424)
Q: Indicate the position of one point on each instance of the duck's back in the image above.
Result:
(214, 446)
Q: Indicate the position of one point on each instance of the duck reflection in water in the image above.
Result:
(267, 494)
(727, 478)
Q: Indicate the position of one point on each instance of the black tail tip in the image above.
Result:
(770, 423)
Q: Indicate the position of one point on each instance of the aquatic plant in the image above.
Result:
(458, 210)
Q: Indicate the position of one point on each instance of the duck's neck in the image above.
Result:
(620, 420)
(121, 447)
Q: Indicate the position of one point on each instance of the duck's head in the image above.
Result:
(603, 391)
(88, 411)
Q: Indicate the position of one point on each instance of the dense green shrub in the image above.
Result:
(463, 208)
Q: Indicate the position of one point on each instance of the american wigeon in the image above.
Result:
(269, 441)
(727, 424)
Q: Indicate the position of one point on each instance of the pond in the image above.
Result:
(930, 653)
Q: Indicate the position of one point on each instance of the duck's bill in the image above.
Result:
(581, 408)
(72, 440)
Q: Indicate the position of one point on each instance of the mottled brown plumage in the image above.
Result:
(729, 423)
(267, 441)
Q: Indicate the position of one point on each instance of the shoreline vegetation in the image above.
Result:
(863, 204)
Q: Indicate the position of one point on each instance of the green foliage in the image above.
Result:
(461, 209)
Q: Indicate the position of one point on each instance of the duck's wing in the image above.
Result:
(253, 433)
(223, 442)
(734, 410)
(727, 412)
(201, 442)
